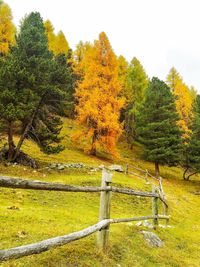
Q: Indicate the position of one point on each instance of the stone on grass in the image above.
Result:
(117, 168)
(152, 239)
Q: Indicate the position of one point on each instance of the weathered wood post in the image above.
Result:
(155, 207)
(104, 212)
(165, 208)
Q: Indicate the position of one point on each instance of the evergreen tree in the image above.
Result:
(192, 151)
(157, 126)
(134, 91)
(37, 86)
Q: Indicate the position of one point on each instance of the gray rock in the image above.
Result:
(61, 167)
(152, 239)
(147, 224)
(101, 167)
(53, 165)
(139, 223)
(117, 168)
(94, 169)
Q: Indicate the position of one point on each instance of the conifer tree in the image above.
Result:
(184, 99)
(122, 73)
(7, 28)
(37, 85)
(134, 91)
(192, 151)
(61, 44)
(98, 98)
(157, 126)
(49, 29)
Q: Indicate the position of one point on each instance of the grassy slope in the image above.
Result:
(43, 215)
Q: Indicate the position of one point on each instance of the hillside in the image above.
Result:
(29, 216)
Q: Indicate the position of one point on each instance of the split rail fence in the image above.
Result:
(102, 227)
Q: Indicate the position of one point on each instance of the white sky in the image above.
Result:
(160, 33)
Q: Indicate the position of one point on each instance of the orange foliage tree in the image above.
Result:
(99, 104)
(7, 28)
(184, 100)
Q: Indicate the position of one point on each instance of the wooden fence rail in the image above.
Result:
(104, 215)
(42, 246)
(39, 185)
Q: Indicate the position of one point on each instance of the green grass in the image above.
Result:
(41, 215)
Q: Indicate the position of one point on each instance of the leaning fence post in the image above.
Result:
(104, 212)
(155, 208)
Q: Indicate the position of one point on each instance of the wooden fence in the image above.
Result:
(102, 227)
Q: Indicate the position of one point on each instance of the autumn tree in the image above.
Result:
(157, 127)
(134, 91)
(7, 28)
(61, 44)
(57, 43)
(184, 98)
(192, 148)
(98, 98)
(49, 29)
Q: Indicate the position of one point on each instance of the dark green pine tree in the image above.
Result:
(157, 126)
(192, 151)
(38, 81)
(11, 104)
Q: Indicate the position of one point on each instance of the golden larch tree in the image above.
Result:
(57, 43)
(61, 44)
(50, 35)
(184, 100)
(98, 99)
(7, 28)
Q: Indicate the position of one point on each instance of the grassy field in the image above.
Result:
(40, 215)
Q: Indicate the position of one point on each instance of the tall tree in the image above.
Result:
(184, 99)
(57, 43)
(192, 148)
(134, 91)
(7, 28)
(122, 73)
(98, 98)
(36, 87)
(157, 126)
(61, 44)
(81, 50)
(49, 29)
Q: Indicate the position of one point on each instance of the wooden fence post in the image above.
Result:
(155, 208)
(104, 212)
(165, 208)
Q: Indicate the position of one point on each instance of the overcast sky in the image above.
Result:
(160, 33)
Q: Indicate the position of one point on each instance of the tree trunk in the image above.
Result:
(191, 175)
(11, 145)
(157, 171)
(23, 136)
(184, 174)
(93, 150)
